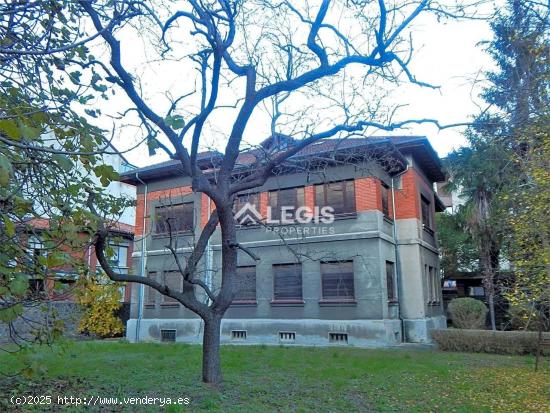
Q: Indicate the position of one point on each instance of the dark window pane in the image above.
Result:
(390, 280)
(337, 280)
(426, 212)
(287, 282)
(174, 218)
(290, 199)
(245, 286)
(385, 200)
(243, 199)
(338, 195)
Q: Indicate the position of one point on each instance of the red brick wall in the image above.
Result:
(407, 200)
(368, 195)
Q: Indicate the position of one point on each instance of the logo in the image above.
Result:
(248, 214)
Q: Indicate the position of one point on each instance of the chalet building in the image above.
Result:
(368, 277)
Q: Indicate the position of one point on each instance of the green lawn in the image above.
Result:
(283, 379)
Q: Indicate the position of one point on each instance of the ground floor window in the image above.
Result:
(287, 282)
(337, 280)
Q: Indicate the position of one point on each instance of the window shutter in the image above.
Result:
(337, 280)
(246, 284)
(287, 282)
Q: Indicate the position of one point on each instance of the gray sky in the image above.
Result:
(446, 54)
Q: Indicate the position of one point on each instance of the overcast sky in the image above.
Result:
(446, 54)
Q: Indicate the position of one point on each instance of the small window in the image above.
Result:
(287, 200)
(426, 212)
(287, 336)
(385, 200)
(151, 293)
(174, 218)
(339, 338)
(390, 281)
(238, 335)
(338, 195)
(337, 280)
(168, 336)
(287, 282)
(174, 281)
(245, 285)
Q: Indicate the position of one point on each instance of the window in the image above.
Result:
(390, 280)
(337, 280)
(432, 280)
(119, 259)
(287, 282)
(151, 293)
(173, 280)
(426, 212)
(243, 199)
(289, 199)
(168, 336)
(385, 200)
(338, 195)
(245, 284)
(177, 218)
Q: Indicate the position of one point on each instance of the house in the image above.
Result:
(369, 276)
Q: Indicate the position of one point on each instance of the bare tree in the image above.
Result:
(333, 59)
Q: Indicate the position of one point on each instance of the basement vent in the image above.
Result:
(341, 338)
(238, 334)
(287, 336)
(168, 336)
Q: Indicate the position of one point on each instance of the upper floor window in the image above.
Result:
(174, 218)
(337, 280)
(242, 199)
(338, 195)
(285, 202)
(426, 212)
(119, 259)
(287, 282)
(385, 200)
(245, 285)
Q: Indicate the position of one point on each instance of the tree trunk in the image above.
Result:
(211, 365)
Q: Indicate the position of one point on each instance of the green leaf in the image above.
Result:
(176, 121)
(5, 170)
(10, 128)
(19, 285)
(10, 225)
(29, 132)
(63, 161)
(11, 313)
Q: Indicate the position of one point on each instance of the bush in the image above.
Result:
(484, 341)
(468, 313)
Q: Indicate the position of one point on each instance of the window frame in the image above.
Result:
(158, 221)
(427, 219)
(288, 300)
(169, 301)
(337, 299)
(276, 212)
(349, 210)
(237, 301)
(391, 286)
(385, 194)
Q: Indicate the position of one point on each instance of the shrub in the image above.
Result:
(100, 300)
(485, 341)
(468, 313)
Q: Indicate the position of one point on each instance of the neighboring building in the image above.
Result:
(314, 284)
(57, 284)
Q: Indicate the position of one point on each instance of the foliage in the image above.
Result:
(485, 341)
(468, 313)
(100, 299)
(298, 379)
(458, 249)
(50, 155)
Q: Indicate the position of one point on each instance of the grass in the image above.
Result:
(281, 379)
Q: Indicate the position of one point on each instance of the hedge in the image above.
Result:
(487, 341)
